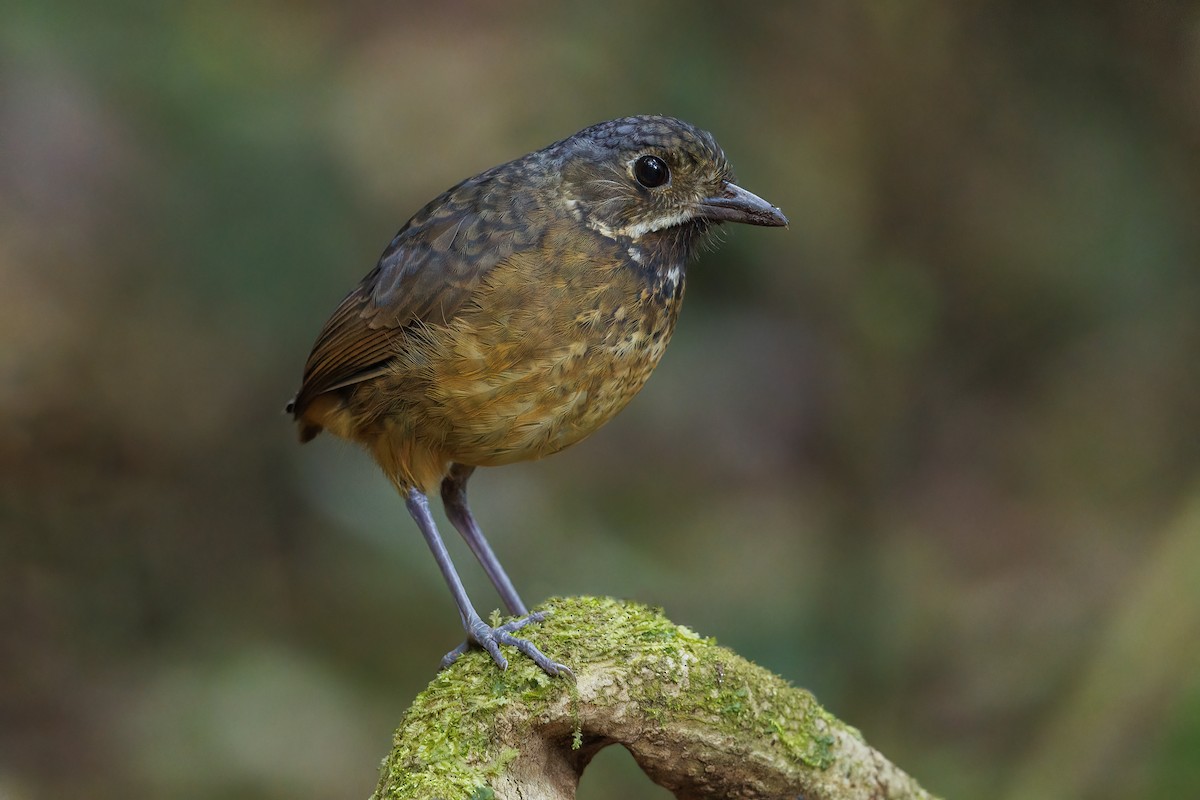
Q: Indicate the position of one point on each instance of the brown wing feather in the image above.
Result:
(425, 275)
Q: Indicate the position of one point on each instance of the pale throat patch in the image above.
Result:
(635, 231)
(671, 279)
(673, 274)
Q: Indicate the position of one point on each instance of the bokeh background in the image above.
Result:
(933, 452)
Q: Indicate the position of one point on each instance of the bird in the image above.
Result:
(512, 316)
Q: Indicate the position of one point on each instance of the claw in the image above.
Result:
(480, 634)
(453, 655)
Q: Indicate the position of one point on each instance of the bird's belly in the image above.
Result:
(545, 401)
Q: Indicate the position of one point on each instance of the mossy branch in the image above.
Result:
(699, 719)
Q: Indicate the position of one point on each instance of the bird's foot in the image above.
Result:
(480, 634)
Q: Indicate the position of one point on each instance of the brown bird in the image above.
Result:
(514, 315)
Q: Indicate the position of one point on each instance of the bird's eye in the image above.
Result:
(651, 171)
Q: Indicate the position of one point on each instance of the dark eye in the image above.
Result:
(651, 171)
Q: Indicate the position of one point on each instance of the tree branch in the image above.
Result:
(699, 719)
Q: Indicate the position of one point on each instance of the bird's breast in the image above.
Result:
(556, 341)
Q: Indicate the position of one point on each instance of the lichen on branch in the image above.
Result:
(699, 719)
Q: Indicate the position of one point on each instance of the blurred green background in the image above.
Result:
(933, 452)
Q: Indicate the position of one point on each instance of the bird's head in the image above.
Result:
(638, 175)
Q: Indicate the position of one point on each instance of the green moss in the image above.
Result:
(445, 745)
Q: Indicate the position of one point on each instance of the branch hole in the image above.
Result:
(614, 773)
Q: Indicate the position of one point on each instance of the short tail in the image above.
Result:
(308, 430)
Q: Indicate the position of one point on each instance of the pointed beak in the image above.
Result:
(735, 204)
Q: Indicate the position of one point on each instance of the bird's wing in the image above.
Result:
(425, 276)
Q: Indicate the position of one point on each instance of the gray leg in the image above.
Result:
(478, 631)
(454, 496)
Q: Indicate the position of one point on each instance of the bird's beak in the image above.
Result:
(735, 204)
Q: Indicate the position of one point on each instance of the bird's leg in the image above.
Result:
(454, 497)
(478, 631)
